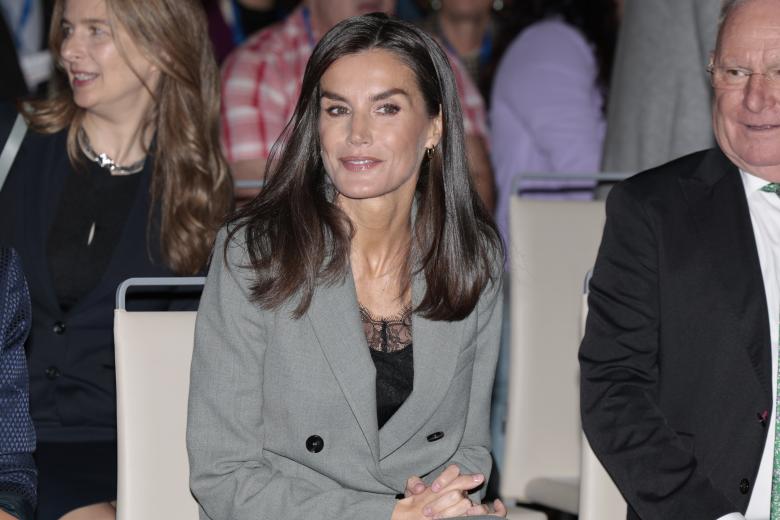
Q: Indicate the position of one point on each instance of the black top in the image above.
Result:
(390, 344)
(91, 214)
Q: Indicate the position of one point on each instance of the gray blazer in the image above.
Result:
(659, 102)
(282, 412)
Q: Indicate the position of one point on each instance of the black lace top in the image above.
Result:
(390, 344)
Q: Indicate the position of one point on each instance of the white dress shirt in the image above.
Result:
(765, 215)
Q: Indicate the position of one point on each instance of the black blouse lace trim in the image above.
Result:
(387, 334)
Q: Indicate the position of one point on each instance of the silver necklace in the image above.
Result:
(103, 160)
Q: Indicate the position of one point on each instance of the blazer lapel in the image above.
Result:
(335, 317)
(719, 209)
(436, 348)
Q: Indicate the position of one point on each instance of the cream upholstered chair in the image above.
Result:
(599, 497)
(153, 351)
(551, 244)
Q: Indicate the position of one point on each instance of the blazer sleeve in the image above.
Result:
(473, 454)
(18, 477)
(225, 434)
(619, 375)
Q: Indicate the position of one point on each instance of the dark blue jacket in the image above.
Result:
(17, 436)
(70, 355)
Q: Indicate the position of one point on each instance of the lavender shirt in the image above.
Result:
(546, 113)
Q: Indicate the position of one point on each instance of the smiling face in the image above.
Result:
(374, 126)
(747, 120)
(104, 80)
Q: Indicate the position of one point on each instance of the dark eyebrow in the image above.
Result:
(376, 97)
(390, 93)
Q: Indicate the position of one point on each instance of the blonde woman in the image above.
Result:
(120, 175)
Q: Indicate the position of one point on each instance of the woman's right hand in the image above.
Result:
(446, 497)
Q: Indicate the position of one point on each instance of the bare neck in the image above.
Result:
(465, 34)
(382, 236)
(124, 141)
(318, 18)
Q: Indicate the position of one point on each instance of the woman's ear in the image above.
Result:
(434, 133)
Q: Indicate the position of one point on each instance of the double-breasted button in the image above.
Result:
(58, 328)
(435, 436)
(744, 486)
(315, 444)
(52, 373)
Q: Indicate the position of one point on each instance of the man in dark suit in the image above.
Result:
(679, 359)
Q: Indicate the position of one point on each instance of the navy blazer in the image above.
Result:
(17, 436)
(71, 354)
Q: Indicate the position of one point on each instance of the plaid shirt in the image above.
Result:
(261, 81)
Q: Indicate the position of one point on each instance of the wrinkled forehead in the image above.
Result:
(751, 31)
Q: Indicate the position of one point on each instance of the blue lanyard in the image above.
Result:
(237, 30)
(23, 19)
(307, 25)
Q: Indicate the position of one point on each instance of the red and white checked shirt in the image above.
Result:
(261, 81)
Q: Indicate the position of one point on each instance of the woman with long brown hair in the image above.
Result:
(120, 175)
(348, 332)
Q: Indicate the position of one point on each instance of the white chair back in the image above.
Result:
(552, 243)
(153, 351)
(599, 497)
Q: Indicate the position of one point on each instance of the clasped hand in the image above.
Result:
(446, 497)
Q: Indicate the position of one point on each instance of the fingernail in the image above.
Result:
(478, 477)
(427, 511)
(419, 488)
(436, 487)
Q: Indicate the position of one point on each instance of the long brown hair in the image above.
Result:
(190, 180)
(297, 237)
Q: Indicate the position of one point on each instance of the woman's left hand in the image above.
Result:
(498, 510)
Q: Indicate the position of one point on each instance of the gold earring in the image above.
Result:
(429, 152)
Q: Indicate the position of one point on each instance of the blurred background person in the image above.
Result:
(660, 98)
(547, 115)
(261, 82)
(473, 31)
(27, 22)
(13, 85)
(17, 435)
(230, 21)
(120, 175)
(548, 102)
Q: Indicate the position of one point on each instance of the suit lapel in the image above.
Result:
(436, 348)
(335, 317)
(719, 209)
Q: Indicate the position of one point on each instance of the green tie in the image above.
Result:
(774, 513)
(772, 187)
